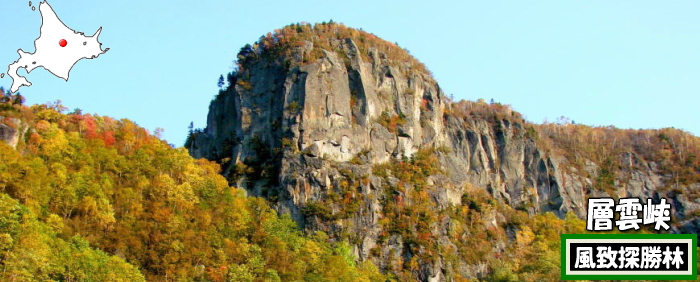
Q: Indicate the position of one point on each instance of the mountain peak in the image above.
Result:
(350, 135)
(302, 43)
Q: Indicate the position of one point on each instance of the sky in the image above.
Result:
(630, 64)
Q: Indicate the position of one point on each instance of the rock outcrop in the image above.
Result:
(298, 132)
(11, 130)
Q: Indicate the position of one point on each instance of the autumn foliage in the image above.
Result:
(280, 44)
(89, 198)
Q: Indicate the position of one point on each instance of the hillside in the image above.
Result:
(352, 136)
(89, 198)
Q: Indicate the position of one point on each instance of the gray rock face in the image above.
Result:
(11, 131)
(295, 134)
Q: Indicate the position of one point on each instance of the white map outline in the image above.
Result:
(49, 55)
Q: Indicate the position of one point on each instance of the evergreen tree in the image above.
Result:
(220, 84)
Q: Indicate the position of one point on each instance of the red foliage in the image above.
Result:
(425, 236)
(108, 137)
(90, 126)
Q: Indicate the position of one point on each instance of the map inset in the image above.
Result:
(57, 49)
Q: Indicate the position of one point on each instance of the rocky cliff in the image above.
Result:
(11, 130)
(325, 122)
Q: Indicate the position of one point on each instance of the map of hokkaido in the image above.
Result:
(57, 49)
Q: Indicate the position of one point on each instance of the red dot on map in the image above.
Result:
(63, 43)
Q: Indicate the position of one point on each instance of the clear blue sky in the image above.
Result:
(631, 64)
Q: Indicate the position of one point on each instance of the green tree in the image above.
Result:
(221, 82)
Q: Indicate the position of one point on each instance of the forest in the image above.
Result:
(89, 198)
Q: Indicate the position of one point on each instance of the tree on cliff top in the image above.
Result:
(324, 36)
